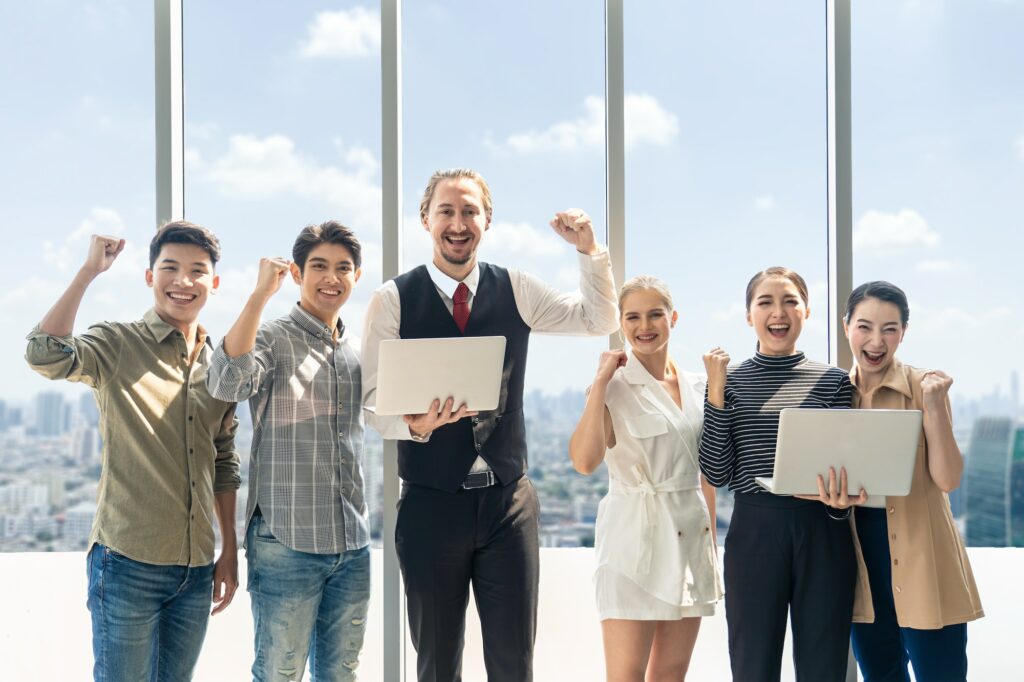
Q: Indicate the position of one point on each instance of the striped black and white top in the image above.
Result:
(738, 442)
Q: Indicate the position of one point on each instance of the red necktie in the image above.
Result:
(460, 307)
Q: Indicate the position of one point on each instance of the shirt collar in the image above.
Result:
(634, 372)
(161, 330)
(447, 285)
(777, 361)
(313, 325)
(895, 378)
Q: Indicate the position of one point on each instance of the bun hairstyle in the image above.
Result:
(883, 291)
(643, 283)
(784, 273)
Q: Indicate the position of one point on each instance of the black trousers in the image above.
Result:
(486, 537)
(785, 556)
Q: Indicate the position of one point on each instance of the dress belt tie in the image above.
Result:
(648, 491)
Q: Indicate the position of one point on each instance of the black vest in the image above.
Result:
(498, 436)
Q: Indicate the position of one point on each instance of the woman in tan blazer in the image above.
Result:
(915, 588)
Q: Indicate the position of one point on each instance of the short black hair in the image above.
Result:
(883, 291)
(328, 232)
(184, 232)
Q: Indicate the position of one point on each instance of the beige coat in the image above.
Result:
(932, 582)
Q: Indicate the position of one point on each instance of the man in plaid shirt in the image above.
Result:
(307, 543)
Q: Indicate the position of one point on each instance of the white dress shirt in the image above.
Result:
(591, 311)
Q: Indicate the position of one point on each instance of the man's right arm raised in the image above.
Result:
(53, 351)
(242, 361)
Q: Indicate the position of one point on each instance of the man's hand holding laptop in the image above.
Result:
(437, 415)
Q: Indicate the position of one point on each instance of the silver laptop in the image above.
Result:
(877, 447)
(411, 373)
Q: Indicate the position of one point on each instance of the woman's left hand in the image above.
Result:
(836, 495)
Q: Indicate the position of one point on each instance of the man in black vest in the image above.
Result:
(468, 513)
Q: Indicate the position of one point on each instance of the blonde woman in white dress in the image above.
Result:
(657, 572)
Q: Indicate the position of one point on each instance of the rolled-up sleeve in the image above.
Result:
(90, 358)
(227, 474)
(235, 379)
(590, 311)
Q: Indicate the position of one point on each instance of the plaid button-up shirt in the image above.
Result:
(304, 391)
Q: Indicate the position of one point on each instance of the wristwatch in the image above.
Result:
(420, 439)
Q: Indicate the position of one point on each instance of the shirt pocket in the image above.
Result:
(646, 425)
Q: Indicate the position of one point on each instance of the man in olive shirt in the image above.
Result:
(169, 460)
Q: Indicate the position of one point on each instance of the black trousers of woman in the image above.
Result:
(786, 557)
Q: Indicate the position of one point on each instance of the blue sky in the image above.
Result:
(726, 158)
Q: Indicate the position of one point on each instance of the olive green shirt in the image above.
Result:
(168, 446)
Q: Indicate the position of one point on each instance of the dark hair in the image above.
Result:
(883, 291)
(784, 273)
(328, 232)
(184, 232)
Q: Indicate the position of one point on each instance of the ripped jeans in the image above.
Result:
(303, 605)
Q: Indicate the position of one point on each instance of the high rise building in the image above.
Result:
(88, 409)
(1017, 488)
(987, 495)
(49, 413)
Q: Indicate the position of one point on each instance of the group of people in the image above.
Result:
(889, 575)
(468, 514)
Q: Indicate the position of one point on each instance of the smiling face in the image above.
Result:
(182, 278)
(456, 220)
(875, 331)
(646, 321)
(326, 281)
(777, 312)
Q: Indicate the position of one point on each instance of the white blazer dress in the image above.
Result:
(656, 558)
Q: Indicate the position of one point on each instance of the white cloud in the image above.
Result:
(255, 168)
(735, 311)
(342, 34)
(521, 239)
(70, 252)
(880, 232)
(765, 203)
(647, 123)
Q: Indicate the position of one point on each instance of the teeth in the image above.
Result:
(181, 297)
(330, 292)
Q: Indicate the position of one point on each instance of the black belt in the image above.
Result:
(479, 479)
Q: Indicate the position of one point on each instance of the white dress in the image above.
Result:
(656, 558)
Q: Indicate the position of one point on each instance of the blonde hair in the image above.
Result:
(455, 174)
(643, 283)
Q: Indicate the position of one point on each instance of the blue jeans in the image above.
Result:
(148, 621)
(883, 648)
(305, 604)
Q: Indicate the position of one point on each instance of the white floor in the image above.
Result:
(45, 632)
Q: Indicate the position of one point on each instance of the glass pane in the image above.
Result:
(293, 140)
(77, 135)
(938, 171)
(726, 164)
(531, 121)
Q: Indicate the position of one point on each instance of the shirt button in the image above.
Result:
(193, 484)
(190, 451)
(897, 589)
(892, 510)
(894, 536)
(192, 516)
(341, 433)
(190, 417)
(344, 461)
(895, 562)
(679, 533)
(478, 447)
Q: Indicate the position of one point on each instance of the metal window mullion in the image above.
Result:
(391, 247)
(615, 143)
(169, 115)
(840, 177)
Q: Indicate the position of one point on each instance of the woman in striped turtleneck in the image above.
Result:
(784, 556)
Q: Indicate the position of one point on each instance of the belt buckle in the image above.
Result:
(488, 480)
